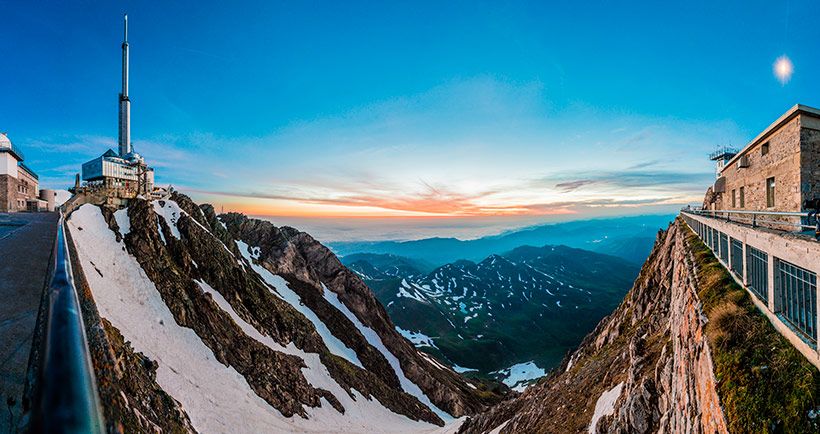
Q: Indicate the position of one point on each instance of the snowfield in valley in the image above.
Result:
(520, 375)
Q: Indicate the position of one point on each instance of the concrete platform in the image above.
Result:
(25, 253)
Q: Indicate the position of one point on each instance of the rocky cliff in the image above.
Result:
(686, 351)
(225, 324)
(199, 322)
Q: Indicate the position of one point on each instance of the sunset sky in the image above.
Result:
(514, 113)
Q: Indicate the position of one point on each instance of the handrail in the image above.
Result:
(65, 398)
(14, 150)
(753, 220)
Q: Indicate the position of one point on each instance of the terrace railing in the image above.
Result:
(780, 272)
(799, 221)
(63, 389)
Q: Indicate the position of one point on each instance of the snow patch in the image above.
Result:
(418, 339)
(520, 375)
(461, 369)
(498, 429)
(281, 289)
(605, 406)
(123, 221)
(62, 197)
(170, 212)
(376, 341)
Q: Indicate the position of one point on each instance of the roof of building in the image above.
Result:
(29, 171)
(7, 146)
(796, 110)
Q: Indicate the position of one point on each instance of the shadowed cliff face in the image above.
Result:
(227, 279)
(645, 368)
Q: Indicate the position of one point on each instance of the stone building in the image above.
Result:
(18, 183)
(776, 171)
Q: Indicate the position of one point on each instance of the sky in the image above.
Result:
(405, 119)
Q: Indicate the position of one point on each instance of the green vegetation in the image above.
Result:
(765, 385)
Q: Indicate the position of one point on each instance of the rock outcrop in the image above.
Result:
(646, 368)
(271, 304)
(309, 265)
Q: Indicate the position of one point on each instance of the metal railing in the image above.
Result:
(65, 398)
(789, 297)
(14, 149)
(758, 218)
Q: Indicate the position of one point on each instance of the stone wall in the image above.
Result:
(793, 160)
(810, 158)
(28, 188)
(8, 185)
(781, 162)
(14, 192)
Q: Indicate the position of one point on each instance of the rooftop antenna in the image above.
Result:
(125, 102)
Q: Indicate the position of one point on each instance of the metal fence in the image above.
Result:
(64, 398)
(797, 289)
(724, 247)
(799, 221)
(757, 273)
(794, 288)
(737, 257)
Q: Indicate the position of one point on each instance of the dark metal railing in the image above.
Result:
(65, 398)
(14, 149)
(797, 220)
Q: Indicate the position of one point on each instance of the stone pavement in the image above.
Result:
(25, 253)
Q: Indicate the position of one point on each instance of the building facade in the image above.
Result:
(773, 175)
(18, 184)
(777, 171)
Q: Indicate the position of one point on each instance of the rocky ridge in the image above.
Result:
(646, 368)
(211, 273)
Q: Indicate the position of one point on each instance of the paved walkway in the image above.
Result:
(24, 257)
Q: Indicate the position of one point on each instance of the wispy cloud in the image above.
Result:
(477, 147)
(574, 185)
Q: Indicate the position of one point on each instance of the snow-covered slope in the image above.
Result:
(248, 341)
(62, 197)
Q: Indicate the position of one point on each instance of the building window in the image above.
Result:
(770, 192)
(734, 198)
(742, 197)
(764, 148)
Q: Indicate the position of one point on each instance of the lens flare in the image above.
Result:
(783, 69)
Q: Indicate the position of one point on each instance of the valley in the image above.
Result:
(528, 305)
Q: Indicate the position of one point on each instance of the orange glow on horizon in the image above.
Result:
(307, 209)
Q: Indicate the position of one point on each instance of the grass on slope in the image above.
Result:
(765, 385)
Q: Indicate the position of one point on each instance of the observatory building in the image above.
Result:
(123, 174)
(18, 183)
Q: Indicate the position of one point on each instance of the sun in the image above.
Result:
(783, 69)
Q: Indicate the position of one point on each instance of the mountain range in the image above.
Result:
(531, 304)
(630, 238)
